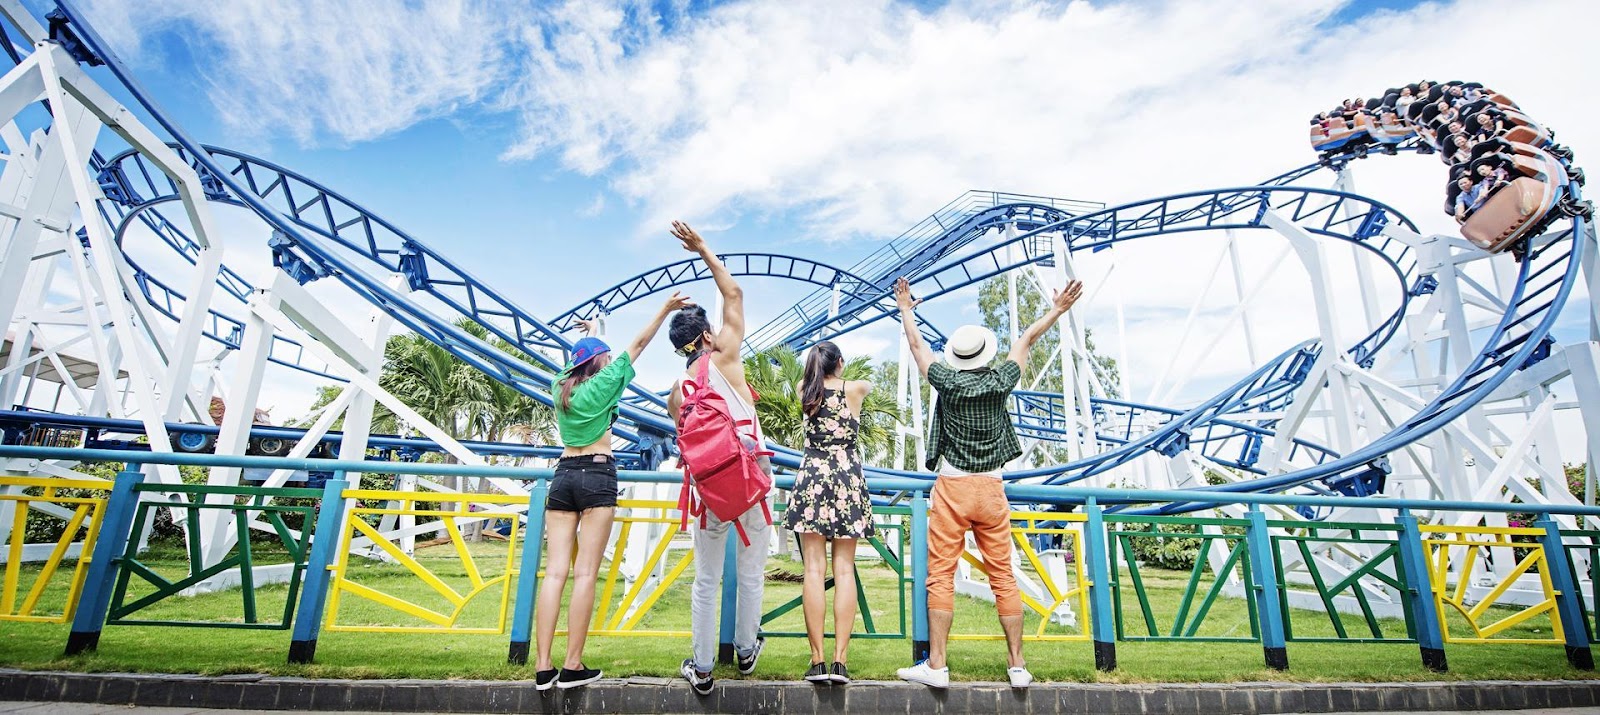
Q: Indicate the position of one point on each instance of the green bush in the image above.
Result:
(1172, 552)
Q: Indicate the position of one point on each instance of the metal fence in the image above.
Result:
(1084, 566)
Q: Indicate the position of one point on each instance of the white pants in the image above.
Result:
(710, 550)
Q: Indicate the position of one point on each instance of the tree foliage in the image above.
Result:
(776, 373)
(455, 396)
(995, 311)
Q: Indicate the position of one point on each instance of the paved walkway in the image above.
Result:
(86, 709)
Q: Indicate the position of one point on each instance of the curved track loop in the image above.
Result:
(770, 265)
(322, 220)
(1022, 216)
(316, 220)
(930, 237)
(221, 328)
(1324, 212)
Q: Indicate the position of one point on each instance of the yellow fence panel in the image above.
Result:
(623, 615)
(1467, 547)
(47, 593)
(1072, 590)
(452, 595)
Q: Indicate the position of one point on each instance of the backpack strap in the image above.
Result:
(689, 505)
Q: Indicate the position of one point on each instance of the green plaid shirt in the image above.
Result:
(971, 427)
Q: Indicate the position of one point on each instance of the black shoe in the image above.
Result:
(577, 678)
(818, 673)
(747, 663)
(701, 683)
(545, 679)
(839, 674)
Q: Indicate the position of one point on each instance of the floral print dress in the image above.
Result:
(830, 495)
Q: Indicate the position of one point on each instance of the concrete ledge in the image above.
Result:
(663, 695)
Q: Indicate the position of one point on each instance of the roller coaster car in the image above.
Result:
(1340, 134)
(1530, 133)
(1519, 209)
(1503, 101)
(1390, 130)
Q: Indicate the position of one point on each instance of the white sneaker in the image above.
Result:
(1020, 677)
(921, 673)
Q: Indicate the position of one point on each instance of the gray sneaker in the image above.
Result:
(702, 683)
(747, 663)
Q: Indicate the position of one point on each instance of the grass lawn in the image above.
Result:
(446, 655)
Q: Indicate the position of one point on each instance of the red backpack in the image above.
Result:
(726, 477)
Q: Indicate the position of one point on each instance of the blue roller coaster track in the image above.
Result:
(320, 234)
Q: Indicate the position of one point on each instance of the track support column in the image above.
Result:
(919, 577)
(1269, 608)
(109, 544)
(1102, 628)
(324, 551)
(1419, 593)
(528, 574)
(1569, 600)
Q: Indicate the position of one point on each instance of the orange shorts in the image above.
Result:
(977, 504)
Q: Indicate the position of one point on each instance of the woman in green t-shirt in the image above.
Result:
(583, 494)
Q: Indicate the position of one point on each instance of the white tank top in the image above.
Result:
(739, 402)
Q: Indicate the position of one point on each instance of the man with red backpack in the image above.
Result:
(727, 473)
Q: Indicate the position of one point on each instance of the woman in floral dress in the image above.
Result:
(830, 503)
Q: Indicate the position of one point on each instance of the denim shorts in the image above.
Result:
(583, 483)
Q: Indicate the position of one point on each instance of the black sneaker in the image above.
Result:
(701, 683)
(545, 679)
(817, 673)
(747, 663)
(577, 678)
(839, 674)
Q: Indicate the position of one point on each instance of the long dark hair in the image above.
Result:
(578, 375)
(823, 361)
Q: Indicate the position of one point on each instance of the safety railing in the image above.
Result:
(1457, 605)
(1085, 574)
(144, 594)
(469, 599)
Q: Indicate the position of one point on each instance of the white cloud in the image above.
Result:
(594, 207)
(860, 117)
(323, 71)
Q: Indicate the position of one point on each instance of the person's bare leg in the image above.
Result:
(814, 593)
(594, 530)
(844, 596)
(938, 636)
(1012, 625)
(560, 532)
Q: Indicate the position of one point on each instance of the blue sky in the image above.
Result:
(544, 146)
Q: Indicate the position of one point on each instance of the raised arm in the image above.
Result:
(908, 322)
(1060, 303)
(643, 338)
(730, 336)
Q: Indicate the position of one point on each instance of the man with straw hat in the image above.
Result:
(970, 440)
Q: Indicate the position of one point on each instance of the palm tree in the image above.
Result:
(776, 373)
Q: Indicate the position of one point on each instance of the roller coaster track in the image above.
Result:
(220, 327)
(322, 234)
(930, 238)
(770, 265)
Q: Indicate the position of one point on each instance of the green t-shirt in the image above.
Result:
(594, 403)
